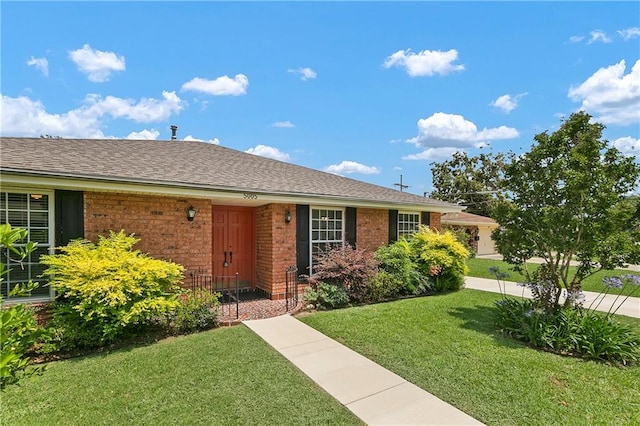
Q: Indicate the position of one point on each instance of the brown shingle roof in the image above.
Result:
(188, 164)
(464, 218)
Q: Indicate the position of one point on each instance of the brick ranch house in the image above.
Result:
(252, 215)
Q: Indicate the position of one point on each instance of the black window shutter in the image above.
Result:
(350, 230)
(425, 218)
(302, 239)
(69, 216)
(393, 226)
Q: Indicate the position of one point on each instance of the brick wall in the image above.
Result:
(264, 251)
(164, 232)
(434, 220)
(159, 222)
(372, 228)
(276, 247)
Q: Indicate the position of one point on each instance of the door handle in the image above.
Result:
(225, 264)
(230, 257)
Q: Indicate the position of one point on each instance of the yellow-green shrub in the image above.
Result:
(440, 256)
(106, 289)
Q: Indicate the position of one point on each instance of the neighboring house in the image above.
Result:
(253, 215)
(478, 228)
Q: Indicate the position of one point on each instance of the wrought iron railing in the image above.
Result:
(227, 286)
(291, 287)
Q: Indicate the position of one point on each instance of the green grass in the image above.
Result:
(480, 268)
(227, 376)
(447, 345)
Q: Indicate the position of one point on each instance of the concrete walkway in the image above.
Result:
(371, 392)
(374, 394)
(629, 307)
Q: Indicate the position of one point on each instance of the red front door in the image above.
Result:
(233, 243)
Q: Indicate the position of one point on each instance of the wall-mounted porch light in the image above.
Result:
(287, 217)
(191, 213)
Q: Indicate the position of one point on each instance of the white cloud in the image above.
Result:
(221, 86)
(144, 111)
(304, 73)
(597, 35)
(601, 36)
(23, 116)
(433, 154)
(269, 152)
(628, 146)
(347, 167)
(203, 103)
(97, 64)
(144, 135)
(283, 124)
(425, 63)
(40, 63)
(453, 131)
(214, 141)
(508, 103)
(610, 95)
(629, 33)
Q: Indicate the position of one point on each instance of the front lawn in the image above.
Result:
(480, 268)
(447, 345)
(227, 376)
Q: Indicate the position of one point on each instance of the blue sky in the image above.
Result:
(366, 90)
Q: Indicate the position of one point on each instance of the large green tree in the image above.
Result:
(568, 199)
(474, 182)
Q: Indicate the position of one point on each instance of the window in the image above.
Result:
(327, 226)
(33, 212)
(408, 223)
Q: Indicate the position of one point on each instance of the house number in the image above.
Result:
(250, 196)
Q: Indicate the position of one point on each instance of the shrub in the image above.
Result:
(327, 296)
(19, 332)
(568, 331)
(441, 257)
(197, 311)
(345, 267)
(385, 286)
(106, 290)
(397, 273)
(18, 327)
(600, 337)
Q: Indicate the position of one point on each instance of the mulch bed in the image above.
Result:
(256, 309)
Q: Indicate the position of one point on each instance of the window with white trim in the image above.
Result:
(327, 231)
(32, 211)
(408, 223)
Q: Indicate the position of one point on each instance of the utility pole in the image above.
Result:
(402, 187)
